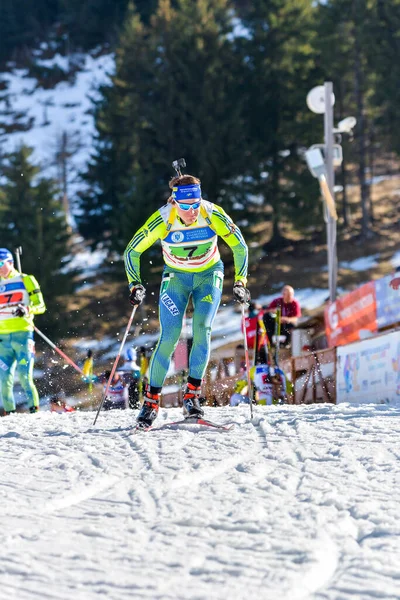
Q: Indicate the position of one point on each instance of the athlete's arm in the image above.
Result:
(36, 302)
(152, 230)
(231, 234)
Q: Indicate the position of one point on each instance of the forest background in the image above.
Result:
(220, 82)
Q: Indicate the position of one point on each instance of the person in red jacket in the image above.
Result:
(290, 313)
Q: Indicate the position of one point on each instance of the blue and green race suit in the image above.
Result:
(193, 268)
(17, 348)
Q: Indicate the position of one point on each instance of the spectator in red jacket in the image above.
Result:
(290, 313)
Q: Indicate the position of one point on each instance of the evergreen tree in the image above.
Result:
(146, 8)
(280, 59)
(335, 32)
(31, 217)
(87, 23)
(176, 93)
(113, 173)
(383, 51)
(92, 22)
(23, 22)
(346, 26)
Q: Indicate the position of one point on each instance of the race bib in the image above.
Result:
(12, 298)
(12, 293)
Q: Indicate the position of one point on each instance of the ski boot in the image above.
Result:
(191, 402)
(149, 410)
(34, 409)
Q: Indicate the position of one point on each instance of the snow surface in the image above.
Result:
(88, 264)
(361, 264)
(302, 504)
(395, 260)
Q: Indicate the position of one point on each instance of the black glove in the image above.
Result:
(20, 311)
(241, 293)
(138, 293)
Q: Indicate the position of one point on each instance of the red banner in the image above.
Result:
(351, 313)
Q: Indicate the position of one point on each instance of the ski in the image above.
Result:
(190, 423)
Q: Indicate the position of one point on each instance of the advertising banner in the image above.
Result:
(369, 371)
(387, 302)
(351, 313)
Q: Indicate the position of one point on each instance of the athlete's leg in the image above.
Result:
(207, 293)
(24, 348)
(174, 295)
(7, 371)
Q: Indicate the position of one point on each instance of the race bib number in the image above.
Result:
(188, 252)
(11, 298)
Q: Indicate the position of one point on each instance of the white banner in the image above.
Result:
(369, 371)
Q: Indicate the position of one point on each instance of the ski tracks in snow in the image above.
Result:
(346, 465)
(299, 505)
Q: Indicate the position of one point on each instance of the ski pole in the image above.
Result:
(60, 352)
(246, 355)
(115, 363)
(18, 253)
(277, 335)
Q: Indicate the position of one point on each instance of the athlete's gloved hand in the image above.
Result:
(138, 293)
(21, 311)
(241, 293)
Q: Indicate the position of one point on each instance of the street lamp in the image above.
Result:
(321, 160)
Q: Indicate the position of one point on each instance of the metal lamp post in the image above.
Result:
(330, 179)
(321, 160)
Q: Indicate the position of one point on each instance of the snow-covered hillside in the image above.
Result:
(65, 108)
(303, 504)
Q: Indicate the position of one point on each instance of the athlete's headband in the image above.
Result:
(5, 255)
(186, 192)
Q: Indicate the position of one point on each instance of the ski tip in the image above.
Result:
(195, 423)
(222, 426)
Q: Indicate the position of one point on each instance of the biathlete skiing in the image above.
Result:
(20, 300)
(188, 228)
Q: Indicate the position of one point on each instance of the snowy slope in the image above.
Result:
(302, 505)
(65, 108)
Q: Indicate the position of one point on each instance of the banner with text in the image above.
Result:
(369, 371)
(351, 315)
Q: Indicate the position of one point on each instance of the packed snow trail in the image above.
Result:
(303, 504)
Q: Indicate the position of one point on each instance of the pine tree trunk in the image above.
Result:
(359, 95)
(371, 164)
(345, 205)
(277, 237)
